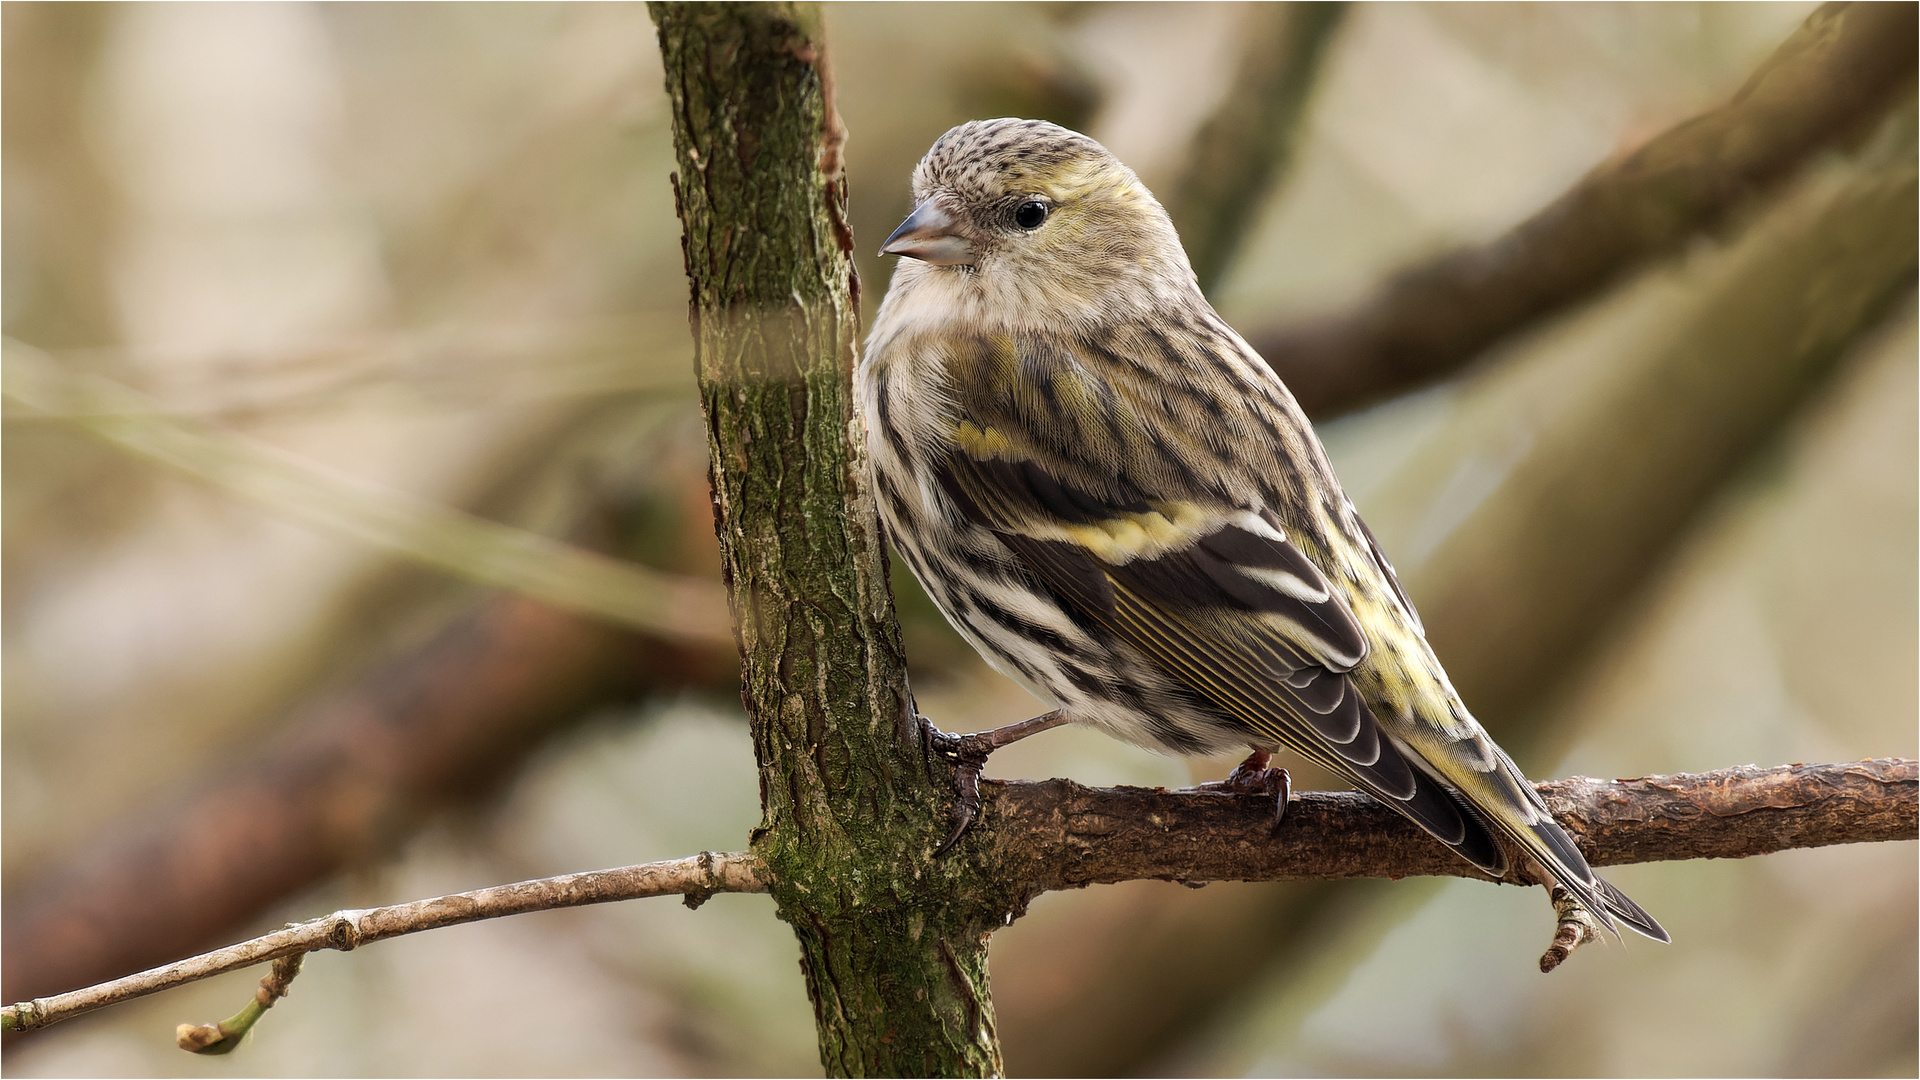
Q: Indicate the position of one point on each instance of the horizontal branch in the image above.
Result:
(1057, 834)
(695, 877)
(351, 772)
(1828, 81)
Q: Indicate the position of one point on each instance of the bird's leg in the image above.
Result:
(1255, 777)
(969, 754)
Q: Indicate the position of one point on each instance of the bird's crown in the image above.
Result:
(984, 160)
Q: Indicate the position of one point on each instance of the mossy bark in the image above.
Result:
(893, 943)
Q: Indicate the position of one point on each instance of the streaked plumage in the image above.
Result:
(1119, 504)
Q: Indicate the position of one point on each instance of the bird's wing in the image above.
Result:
(1096, 505)
(1460, 754)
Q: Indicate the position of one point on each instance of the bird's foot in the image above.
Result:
(969, 755)
(968, 758)
(1255, 777)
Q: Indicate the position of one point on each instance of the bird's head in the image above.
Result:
(1028, 211)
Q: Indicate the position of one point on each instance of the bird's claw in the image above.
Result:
(965, 808)
(1255, 777)
(969, 756)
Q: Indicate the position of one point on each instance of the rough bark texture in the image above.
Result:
(1057, 834)
(895, 961)
(1060, 835)
(201, 906)
(1836, 73)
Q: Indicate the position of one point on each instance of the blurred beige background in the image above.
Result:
(433, 246)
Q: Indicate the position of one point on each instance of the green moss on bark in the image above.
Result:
(893, 942)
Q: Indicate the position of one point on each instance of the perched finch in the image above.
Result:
(1115, 500)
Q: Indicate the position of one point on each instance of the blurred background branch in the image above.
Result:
(1830, 81)
(623, 593)
(164, 648)
(353, 773)
(1239, 156)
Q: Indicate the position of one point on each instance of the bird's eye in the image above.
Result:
(1030, 214)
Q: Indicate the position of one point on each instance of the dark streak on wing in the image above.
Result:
(1198, 578)
(883, 398)
(1224, 552)
(1268, 655)
(1370, 761)
(1205, 623)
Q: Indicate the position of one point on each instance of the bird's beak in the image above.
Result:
(930, 234)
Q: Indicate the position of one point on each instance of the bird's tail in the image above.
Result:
(1556, 851)
(1622, 907)
(1508, 804)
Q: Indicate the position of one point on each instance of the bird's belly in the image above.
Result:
(1025, 636)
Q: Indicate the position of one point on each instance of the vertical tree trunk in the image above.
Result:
(853, 803)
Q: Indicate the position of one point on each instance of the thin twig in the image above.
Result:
(347, 773)
(1827, 82)
(225, 1036)
(695, 877)
(1576, 927)
(1056, 834)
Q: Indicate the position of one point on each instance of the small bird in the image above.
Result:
(1119, 504)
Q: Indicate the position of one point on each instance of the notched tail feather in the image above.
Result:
(1622, 907)
(1594, 892)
